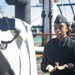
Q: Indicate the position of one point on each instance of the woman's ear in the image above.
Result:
(67, 28)
(68, 31)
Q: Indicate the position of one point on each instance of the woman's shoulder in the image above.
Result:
(71, 42)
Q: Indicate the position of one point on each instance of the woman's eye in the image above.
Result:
(55, 28)
(60, 27)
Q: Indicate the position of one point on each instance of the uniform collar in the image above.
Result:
(65, 39)
(63, 42)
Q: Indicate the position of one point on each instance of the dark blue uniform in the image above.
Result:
(63, 52)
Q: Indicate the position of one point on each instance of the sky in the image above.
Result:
(6, 9)
(36, 19)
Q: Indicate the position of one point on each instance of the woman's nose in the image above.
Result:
(57, 29)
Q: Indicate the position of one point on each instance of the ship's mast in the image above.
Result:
(50, 15)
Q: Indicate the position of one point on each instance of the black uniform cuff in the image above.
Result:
(71, 66)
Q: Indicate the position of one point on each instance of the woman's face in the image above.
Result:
(60, 30)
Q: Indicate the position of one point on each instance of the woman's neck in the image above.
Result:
(61, 38)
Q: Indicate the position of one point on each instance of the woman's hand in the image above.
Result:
(50, 68)
(61, 67)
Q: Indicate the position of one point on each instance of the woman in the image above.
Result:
(59, 53)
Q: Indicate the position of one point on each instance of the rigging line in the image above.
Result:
(29, 11)
(71, 7)
(59, 9)
(35, 19)
(64, 8)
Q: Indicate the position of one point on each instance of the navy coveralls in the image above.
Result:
(63, 52)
